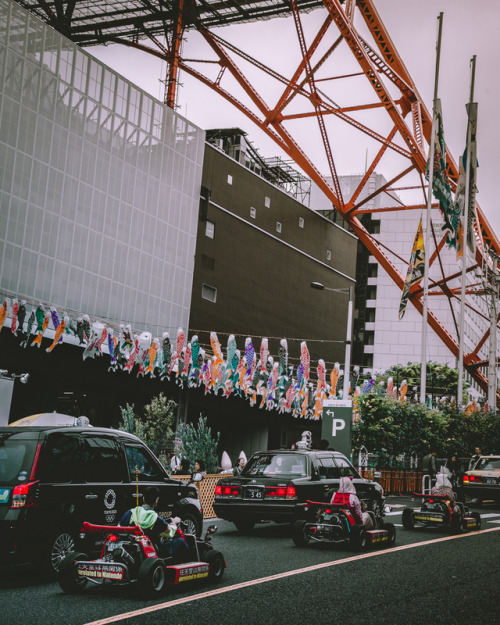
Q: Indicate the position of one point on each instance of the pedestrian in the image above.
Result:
(239, 467)
(198, 472)
(455, 469)
(475, 458)
(184, 469)
(175, 462)
(429, 465)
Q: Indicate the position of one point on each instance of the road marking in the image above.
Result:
(489, 515)
(271, 578)
(494, 521)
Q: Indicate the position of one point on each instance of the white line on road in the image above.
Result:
(488, 515)
(271, 578)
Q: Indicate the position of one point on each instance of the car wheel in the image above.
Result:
(477, 516)
(358, 539)
(69, 581)
(191, 524)
(244, 525)
(389, 527)
(152, 577)
(408, 521)
(299, 535)
(216, 563)
(61, 544)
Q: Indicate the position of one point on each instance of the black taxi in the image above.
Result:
(274, 483)
(52, 479)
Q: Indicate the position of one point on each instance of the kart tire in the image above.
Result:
(477, 516)
(69, 581)
(216, 563)
(408, 521)
(389, 527)
(152, 577)
(244, 525)
(299, 536)
(358, 539)
(190, 524)
(457, 525)
(58, 547)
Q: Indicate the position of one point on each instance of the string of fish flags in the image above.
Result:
(264, 381)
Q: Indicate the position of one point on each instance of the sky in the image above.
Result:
(470, 27)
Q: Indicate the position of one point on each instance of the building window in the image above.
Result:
(278, 226)
(207, 262)
(371, 291)
(370, 315)
(253, 212)
(301, 222)
(210, 229)
(267, 202)
(209, 293)
(372, 271)
(229, 179)
(328, 255)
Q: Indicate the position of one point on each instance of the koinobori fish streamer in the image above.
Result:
(262, 381)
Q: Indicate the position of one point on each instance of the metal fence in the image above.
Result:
(395, 481)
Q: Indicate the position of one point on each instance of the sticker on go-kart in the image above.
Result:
(4, 495)
(188, 571)
(101, 571)
(435, 518)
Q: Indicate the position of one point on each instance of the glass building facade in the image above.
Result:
(99, 184)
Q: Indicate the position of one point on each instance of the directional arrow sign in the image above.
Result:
(336, 426)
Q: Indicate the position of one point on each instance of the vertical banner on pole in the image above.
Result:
(336, 425)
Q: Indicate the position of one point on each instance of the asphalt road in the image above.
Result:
(428, 577)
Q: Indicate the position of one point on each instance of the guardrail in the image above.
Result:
(393, 481)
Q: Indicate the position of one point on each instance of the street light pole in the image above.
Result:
(347, 365)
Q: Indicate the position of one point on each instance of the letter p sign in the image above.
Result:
(337, 425)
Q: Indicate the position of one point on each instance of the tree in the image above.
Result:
(154, 427)
(198, 443)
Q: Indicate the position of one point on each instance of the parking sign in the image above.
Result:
(336, 426)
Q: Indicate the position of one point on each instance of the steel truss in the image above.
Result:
(402, 131)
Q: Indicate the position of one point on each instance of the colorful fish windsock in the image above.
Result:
(59, 333)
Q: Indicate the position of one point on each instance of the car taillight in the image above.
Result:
(284, 492)
(23, 496)
(225, 490)
(466, 479)
(112, 538)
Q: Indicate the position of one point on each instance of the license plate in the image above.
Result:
(491, 480)
(254, 493)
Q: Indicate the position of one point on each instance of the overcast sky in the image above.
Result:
(470, 27)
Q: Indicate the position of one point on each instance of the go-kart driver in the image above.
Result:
(443, 487)
(346, 496)
(164, 534)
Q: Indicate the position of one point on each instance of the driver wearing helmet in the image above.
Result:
(443, 487)
(164, 534)
(346, 495)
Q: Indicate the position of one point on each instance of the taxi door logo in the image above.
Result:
(109, 503)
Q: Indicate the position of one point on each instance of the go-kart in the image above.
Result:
(334, 523)
(129, 557)
(438, 511)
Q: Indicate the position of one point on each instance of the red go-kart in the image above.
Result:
(129, 557)
(334, 523)
(441, 511)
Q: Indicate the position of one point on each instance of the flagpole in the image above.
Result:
(427, 227)
(465, 230)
